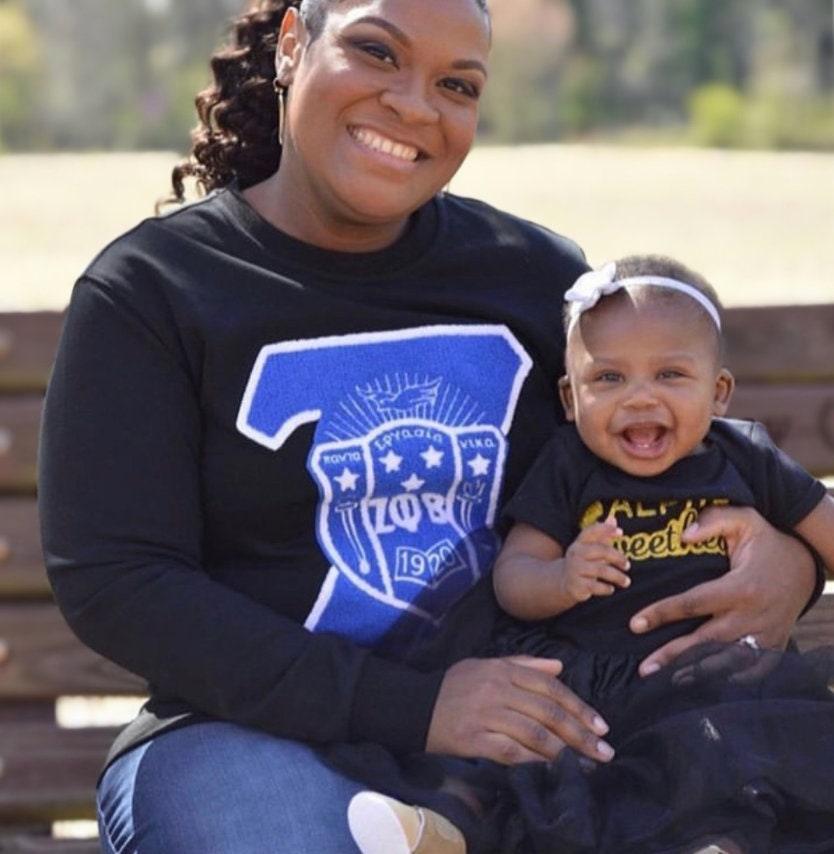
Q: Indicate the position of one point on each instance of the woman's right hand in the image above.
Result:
(513, 710)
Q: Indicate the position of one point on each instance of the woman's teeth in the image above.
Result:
(383, 144)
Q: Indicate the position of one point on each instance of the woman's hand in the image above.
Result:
(770, 581)
(512, 710)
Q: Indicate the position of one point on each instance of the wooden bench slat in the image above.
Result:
(22, 574)
(799, 418)
(765, 342)
(816, 628)
(49, 773)
(20, 844)
(19, 425)
(28, 341)
(781, 343)
(46, 660)
(26, 711)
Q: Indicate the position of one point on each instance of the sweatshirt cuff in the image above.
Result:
(819, 583)
(393, 705)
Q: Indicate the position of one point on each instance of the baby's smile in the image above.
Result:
(645, 440)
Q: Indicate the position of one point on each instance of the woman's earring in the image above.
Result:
(281, 92)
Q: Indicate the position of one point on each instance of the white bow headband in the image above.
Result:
(591, 286)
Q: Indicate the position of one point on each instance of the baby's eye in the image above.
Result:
(608, 377)
(670, 374)
(461, 87)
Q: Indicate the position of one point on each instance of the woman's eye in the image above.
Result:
(378, 51)
(461, 87)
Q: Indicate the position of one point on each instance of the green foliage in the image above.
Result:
(717, 116)
(84, 74)
(519, 105)
(20, 57)
(721, 117)
(581, 105)
(171, 107)
(780, 122)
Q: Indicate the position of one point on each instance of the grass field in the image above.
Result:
(760, 225)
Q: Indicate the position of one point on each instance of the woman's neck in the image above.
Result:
(293, 210)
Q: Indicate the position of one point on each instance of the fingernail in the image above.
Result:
(650, 668)
(605, 750)
(600, 726)
(639, 624)
(627, 582)
(691, 528)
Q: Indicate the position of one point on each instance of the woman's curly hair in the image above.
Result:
(237, 133)
(236, 137)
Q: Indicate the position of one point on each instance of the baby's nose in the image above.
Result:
(640, 395)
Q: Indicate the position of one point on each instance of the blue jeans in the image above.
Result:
(218, 788)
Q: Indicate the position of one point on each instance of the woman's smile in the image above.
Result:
(398, 152)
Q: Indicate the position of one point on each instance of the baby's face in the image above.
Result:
(643, 382)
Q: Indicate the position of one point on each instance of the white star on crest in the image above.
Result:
(347, 480)
(479, 465)
(412, 484)
(391, 461)
(432, 456)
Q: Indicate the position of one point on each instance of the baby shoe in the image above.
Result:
(383, 825)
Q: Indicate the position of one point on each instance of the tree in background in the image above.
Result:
(746, 73)
(20, 76)
(123, 73)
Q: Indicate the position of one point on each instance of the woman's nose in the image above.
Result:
(409, 101)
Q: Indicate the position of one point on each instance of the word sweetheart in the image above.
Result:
(661, 527)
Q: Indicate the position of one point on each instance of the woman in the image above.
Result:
(270, 444)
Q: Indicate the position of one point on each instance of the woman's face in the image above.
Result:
(382, 106)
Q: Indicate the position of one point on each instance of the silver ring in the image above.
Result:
(749, 640)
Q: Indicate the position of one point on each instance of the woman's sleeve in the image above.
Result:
(785, 492)
(120, 504)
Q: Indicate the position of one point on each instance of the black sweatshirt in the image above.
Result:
(264, 465)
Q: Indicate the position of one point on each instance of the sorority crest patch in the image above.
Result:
(408, 454)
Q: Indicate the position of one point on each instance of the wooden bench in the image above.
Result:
(782, 357)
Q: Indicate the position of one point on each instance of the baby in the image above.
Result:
(598, 533)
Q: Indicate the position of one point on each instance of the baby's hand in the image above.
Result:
(592, 566)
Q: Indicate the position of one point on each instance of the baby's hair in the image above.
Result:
(665, 267)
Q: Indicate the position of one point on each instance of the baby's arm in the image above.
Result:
(817, 528)
(534, 580)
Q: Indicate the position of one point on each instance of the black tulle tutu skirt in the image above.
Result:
(728, 743)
